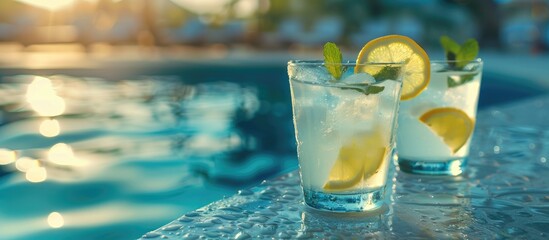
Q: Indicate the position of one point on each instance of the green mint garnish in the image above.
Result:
(454, 81)
(364, 88)
(451, 48)
(462, 54)
(333, 59)
(332, 62)
(387, 72)
(467, 53)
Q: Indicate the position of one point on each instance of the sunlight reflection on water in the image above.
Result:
(76, 151)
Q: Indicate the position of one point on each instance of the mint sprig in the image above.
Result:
(333, 63)
(459, 55)
(386, 73)
(333, 59)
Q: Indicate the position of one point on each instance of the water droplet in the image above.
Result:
(192, 214)
(190, 236)
(226, 229)
(185, 219)
(230, 217)
(151, 235)
(266, 213)
(275, 207)
(269, 229)
(288, 197)
(206, 223)
(258, 219)
(283, 235)
(173, 227)
(242, 235)
(304, 235)
(246, 225)
(232, 209)
(245, 192)
(211, 234)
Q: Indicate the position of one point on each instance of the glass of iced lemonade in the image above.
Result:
(436, 126)
(344, 116)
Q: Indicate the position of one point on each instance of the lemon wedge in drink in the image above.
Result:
(359, 158)
(451, 124)
(397, 48)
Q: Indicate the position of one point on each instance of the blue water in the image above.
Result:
(126, 156)
(103, 155)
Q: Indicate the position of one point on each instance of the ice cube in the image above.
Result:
(361, 78)
(315, 74)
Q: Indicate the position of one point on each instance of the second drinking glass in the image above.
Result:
(435, 128)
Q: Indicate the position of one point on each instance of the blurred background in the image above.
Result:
(265, 24)
(118, 116)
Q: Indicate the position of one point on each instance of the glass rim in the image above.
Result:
(442, 61)
(346, 63)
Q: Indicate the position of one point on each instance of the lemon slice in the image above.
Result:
(359, 158)
(451, 124)
(397, 48)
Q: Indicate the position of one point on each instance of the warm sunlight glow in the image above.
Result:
(43, 99)
(243, 8)
(49, 128)
(51, 5)
(61, 154)
(36, 174)
(203, 6)
(7, 156)
(25, 163)
(55, 220)
(455, 168)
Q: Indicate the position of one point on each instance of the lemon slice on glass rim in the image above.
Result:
(398, 48)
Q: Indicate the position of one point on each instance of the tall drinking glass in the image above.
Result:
(345, 132)
(436, 127)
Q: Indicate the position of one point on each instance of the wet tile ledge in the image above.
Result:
(503, 194)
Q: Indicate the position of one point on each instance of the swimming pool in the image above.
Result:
(114, 153)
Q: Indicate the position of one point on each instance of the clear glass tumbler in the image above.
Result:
(345, 132)
(436, 127)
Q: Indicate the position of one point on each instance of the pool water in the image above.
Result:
(94, 156)
(112, 159)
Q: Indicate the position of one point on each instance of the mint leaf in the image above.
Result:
(374, 89)
(462, 54)
(332, 60)
(454, 81)
(363, 88)
(449, 45)
(387, 72)
(467, 53)
(451, 49)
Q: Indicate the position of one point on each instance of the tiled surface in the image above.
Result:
(503, 194)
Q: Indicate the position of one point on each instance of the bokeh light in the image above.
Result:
(51, 5)
(43, 99)
(23, 164)
(36, 174)
(55, 220)
(7, 156)
(50, 128)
